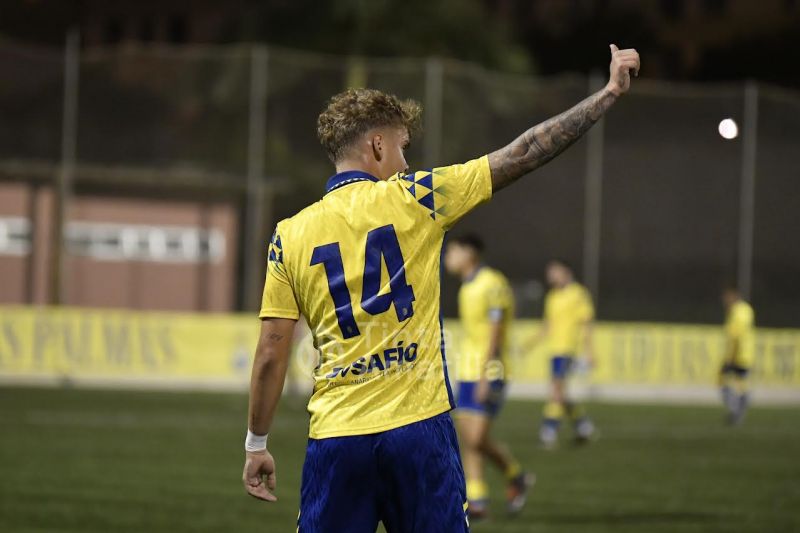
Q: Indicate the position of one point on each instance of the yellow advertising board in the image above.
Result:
(119, 345)
(662, 354)
(70, 342)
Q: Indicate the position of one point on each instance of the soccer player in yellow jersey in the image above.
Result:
(486, 309)
(567, 324)
(362, 266)
(739, 354)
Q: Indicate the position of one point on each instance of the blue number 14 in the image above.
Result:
(382, 244)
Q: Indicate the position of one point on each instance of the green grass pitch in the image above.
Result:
(100, 461)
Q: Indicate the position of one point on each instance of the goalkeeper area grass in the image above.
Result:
(99, 461)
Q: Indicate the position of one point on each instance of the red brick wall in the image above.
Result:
(136, 284)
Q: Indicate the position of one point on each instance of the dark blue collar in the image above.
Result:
(345, 178)
(474, 273)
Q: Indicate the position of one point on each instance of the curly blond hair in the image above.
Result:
(353, 112)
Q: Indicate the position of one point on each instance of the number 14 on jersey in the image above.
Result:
(381, 245)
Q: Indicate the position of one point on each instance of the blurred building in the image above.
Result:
(132, 251)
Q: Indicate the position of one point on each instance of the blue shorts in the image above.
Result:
(560, 365)
(738, 371)
(466, 400)
(410, 478)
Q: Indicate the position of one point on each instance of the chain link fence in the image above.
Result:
(663, 224)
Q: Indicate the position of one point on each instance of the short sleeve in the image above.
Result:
(449, 193)
(278, 300)
(548, 306)
(585, 308)
(498, 299)
(741, 321)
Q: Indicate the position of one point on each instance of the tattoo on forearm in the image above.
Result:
(545, 141)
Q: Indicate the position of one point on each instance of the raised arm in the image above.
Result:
(545, 141)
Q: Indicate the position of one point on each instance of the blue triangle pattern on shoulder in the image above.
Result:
(426, 180)
(428, 201)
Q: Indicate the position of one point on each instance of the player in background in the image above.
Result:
(739, 354)
(361, 265)
(486, 310)
(567, 325)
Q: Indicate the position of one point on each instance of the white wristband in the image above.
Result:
(255, 443)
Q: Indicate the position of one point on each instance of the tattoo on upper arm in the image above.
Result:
(545, 141)
(275, 337)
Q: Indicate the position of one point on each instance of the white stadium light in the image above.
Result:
(728, 128)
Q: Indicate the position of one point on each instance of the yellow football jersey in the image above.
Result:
(363, 266)
(566, 310)
(740, 328)
(485, 299)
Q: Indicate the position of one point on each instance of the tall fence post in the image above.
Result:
(66, 173)
(748, 189)
(255, 248)
(593, 200)
(434, 73)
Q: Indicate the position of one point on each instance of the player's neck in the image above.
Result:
(469, 272)
(350, 165)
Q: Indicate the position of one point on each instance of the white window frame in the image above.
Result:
(16, 236)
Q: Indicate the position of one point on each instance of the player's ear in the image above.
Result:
(377, 147)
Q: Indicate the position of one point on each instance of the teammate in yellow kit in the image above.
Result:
(486, 309)
(361, 265)
(567, 325)
(739, 354)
